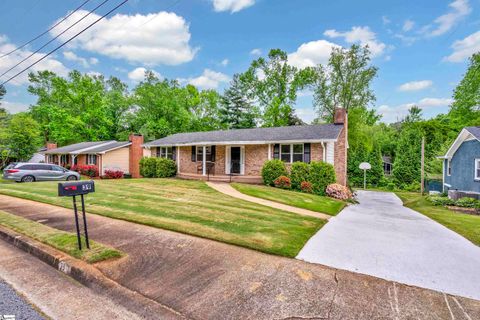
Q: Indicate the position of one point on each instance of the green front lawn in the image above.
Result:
(186, 206)
(293, 198)
(463, 224)
(61, 240)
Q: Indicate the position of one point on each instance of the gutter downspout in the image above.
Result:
(323, 152)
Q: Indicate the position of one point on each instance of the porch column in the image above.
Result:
(204, 161)
(269, 151)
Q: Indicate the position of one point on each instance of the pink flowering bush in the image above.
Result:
(113, 174)
(306, 187)
(338, 191)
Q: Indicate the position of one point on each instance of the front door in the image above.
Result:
(235, 160)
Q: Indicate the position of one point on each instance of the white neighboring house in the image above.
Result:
(38, 156)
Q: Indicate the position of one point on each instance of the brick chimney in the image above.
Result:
(135, 154)
(341, 146)
(51, 145)
(340, 116)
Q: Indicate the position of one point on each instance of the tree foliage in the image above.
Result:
(22, 136)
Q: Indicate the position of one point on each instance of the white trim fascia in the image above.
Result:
(236, 143)
(103, 152)
(90, 148)
(463, 136)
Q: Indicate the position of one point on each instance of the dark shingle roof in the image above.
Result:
(475, 131)
(277, 134)
(93, 147)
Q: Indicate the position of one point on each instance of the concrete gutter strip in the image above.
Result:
(91, 277)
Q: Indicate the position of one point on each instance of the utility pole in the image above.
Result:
(422, 179)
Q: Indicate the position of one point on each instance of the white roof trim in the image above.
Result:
(233, 143)
(463, 136)
(90, 148)
(119, 147)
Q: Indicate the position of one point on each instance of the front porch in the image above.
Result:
(221, 178)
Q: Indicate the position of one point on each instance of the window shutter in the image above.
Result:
(306, 152)
(213, 153)
(158, 152)
(276, 151)
(174, 153)
(194, 154)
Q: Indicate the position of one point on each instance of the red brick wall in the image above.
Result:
(186, 163)
(135, 155)
(255, 157)
(316, 152)
(220, 160)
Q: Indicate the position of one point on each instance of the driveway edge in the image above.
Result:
(89, 276)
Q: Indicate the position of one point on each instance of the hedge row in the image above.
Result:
(318, 175)
(157, 167)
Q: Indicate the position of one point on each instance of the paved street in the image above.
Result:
(382, 238)
(12, 304)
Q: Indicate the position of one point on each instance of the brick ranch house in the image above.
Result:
(106, 155)
(238, 155)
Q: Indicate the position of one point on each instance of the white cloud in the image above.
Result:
(393, 114)
(94, 74)
(408, 25)
(86, 63)
(312, 53)
(49, 63)
(415, 85)
(386, 20)
(463, 49)
(231, 5)
(362, 35)
(13, 107)
(208, 80)
(152, 39)
(459, 9)
(407, 40)
(138, 74)
(256, 52)
(307, 114)
(225, 62)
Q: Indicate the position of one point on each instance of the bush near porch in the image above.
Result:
(151, 167)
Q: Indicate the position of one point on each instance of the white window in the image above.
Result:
(208, 150)
(291, 152)
(477, 169)
(91, 159)
(449, 167)
(165, 152)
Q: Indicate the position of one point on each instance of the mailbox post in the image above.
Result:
(74, 189)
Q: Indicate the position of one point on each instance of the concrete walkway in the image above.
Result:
(227, 189)
(382, 238)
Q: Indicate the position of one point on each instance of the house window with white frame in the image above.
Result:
(91, 159)
(291, 152)
(208, 152)
(165, 152)
(477, 169)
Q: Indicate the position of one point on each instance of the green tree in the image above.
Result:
(406, 167)
(274, 84)
(465, 109)
(344, 82)
(414, 115)
(237, 111)
(2, 93)
(22, 136)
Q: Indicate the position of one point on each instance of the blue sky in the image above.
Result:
(420, 47)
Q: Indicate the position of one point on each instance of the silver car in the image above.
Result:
(30, 172)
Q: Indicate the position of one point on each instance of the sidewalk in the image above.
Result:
(227, 189)
(204, 279)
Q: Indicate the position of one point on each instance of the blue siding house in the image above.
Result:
(461, 163)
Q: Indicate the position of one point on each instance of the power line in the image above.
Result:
(53, 39)
(63, 44)
(45, 32)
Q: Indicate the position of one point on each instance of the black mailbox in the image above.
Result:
(75, 188)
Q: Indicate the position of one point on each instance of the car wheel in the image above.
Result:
(28, 179)
(71, 178)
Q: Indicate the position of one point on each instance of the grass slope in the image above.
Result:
(463, 224)
(61, 240)
(186, 206)
(296, 199)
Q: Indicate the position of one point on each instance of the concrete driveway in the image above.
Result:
(382, 238)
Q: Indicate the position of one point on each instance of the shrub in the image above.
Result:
(306, 187)
(467, 203)
(412, 187)
(338, 191)
(148, 167)
(283, 182)
(391, 186)
(113, 174)
(440, 201)
(86, 170)
(299, 173)
(320, 176)
(271, 170)
(165, 168)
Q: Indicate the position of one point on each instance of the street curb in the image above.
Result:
(91, 277)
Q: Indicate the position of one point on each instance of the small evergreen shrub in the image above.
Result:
(165, 168)
(299, 173)
(320, 176)
(283, 182)
(338, 191)
(306, 187)
(271, 170)
(148, 167)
